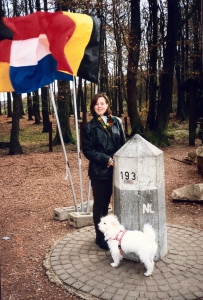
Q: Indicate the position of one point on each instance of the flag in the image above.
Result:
(39, 48)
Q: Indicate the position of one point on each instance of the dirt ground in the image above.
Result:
(34, 184)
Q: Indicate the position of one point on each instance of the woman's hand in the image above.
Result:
(110, 162)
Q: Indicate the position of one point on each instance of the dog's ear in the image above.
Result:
(114, 221)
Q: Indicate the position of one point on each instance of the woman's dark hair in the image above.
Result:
(94, 102)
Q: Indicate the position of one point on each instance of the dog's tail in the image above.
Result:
(149, 231)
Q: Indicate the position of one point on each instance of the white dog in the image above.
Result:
(122, 241)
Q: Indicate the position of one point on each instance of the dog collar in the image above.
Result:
(118, 238)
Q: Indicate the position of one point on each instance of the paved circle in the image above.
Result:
(77, 264)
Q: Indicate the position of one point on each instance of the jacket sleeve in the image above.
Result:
(123, 136)
(89, 149)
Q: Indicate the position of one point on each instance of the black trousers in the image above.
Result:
(102, 191)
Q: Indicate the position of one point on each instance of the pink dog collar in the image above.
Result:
(118, 238)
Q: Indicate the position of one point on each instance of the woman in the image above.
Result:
(102, 137)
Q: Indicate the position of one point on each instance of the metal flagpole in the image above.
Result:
(78, 146)
(68, 173)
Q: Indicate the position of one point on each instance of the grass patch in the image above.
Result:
(178, 130)
(31, 137)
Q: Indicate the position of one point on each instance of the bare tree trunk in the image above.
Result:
(118, 108)
(166, 81)
(63, 113)
(103, 67)
(36, 107)
(15, 147)
(30, 107)
(182, 110)
(84, 104)
(133, 58)
(152, 46)
(45, 109)
(9, 105)
(79, 97)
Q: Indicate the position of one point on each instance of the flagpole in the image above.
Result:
(68, 173)
(78, 146)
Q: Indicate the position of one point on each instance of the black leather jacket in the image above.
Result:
(98, 146)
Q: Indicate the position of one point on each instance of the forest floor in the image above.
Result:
(33, 184)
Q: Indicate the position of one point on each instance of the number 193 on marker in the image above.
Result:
(128, 176)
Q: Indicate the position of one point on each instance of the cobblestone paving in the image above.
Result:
(82, 268)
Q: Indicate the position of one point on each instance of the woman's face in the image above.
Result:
(101, 106)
